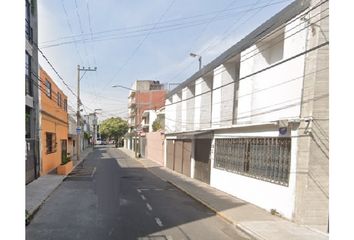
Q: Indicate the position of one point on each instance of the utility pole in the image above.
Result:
(78, 125)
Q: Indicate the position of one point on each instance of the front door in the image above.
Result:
(63, 150)
(202, 160)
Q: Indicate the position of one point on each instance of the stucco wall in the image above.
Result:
(49, 161)
(261, 193)
(155, 147)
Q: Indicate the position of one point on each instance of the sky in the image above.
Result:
(138, 40)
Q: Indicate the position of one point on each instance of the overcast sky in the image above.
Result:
(142, 39)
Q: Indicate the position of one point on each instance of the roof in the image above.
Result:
(271, 24)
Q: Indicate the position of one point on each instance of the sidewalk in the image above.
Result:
(256, 222)
(40, 189)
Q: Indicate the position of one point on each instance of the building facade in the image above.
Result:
(31, 94)
(54, 124)
(254, 121)
(72, 136)
(145, 95)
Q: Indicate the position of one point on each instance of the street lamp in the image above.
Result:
(199, 59)
(137, 116)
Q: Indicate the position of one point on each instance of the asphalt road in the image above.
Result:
(111, 196)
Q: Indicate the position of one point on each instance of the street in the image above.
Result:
(110, 196)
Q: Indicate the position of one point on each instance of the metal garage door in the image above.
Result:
(202, 160)
(178, 156)
(170, 154)
(187, 152)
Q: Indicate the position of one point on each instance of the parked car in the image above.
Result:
(98, 142)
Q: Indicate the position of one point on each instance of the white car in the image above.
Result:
(98, 142)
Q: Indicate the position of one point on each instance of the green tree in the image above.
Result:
(159, 123)
(113, 128)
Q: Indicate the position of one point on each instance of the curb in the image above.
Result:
(66, 176)
(32, 213)
(218, 213)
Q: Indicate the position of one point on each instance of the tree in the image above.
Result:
(113, 128)
(159, 123)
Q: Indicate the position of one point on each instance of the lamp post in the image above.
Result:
(199, 59)
(137, 115)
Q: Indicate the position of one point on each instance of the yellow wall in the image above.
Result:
(54, 119)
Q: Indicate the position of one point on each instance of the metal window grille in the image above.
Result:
(59, 99)
(264, 158)
(48, 88)
(51, 142)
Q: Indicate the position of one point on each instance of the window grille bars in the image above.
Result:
(264, 158)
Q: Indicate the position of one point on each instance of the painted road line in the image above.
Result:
(93, 172)
(158, 221)
(139, 191)
(143, 197)
(149, 206)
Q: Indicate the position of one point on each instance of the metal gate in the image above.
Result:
(187, 154)
(170, 154)
(202, 160)
(178, 160)
(179, 156)
(142, 146)
(31, 170)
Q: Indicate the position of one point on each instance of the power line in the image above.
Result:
(81, 30)
(56, 72)
(257, 72)
(141, 43)
(274, 43)
(238, 19)
(71, 30)
(176, 20)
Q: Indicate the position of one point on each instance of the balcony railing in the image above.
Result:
(29, 86)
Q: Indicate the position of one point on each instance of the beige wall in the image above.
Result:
(155, 147)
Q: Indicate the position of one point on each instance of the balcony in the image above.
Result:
(29, 86)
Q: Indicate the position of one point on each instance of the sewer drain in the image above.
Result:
(81, 174)
(132, 178)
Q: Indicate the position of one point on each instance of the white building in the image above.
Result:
(254, 121)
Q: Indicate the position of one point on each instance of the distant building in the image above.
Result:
(254, 121)
(147, 95)
(90, 127)
(54, 124)
(72, 136)
(31, 86)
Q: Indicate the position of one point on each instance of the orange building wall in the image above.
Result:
(54, 119)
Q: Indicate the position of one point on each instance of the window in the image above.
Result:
(262, 158)
(28, 122)
(28, 29)
(65, 105)
(59, 99)
(48, 88)
(50, 142)
(28, 74)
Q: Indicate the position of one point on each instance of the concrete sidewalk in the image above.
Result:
(40, 189)
(256, 222)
